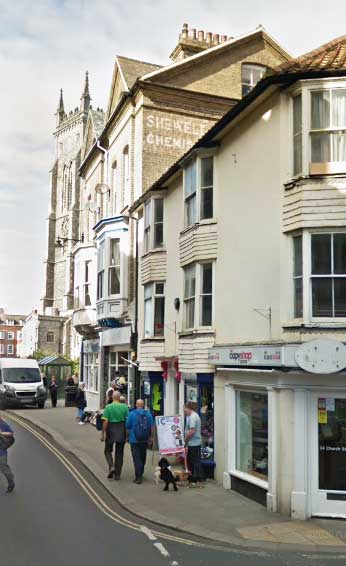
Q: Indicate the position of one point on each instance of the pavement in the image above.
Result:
(210, 512)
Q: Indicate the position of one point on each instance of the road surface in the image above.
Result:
(55, 519)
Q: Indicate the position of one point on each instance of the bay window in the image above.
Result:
(199, 190)
(319, 130)
(298, 276)
(114, 267)
(328, 126)
(198, 282)
(154, 309)
(153, 224)
(328, 275)
(87, 298)
(100, 270)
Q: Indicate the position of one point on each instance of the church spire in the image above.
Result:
(85, 99)
(60, 111)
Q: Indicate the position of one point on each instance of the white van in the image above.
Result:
(21, 383)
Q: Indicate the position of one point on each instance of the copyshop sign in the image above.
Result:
(246, 356)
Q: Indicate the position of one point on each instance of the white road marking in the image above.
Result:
(148, 533)
(161, 549)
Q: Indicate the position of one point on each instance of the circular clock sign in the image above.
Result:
(321, 356)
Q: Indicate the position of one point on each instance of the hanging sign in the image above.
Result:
(170, 434)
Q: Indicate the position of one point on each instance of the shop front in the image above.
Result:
(282, 425)
(90, 372)
(153, 392)
(116, 362)
(199, 389)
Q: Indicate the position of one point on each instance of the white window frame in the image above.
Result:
(2, 335)
(305, 88)
(2, 348)
(198, 296)
(197, 194)
(307, 281)
(251, 67)
(119, 363)
(150, 223)
(111, 267)
(151, 295)
(10, 349)
(91, 372)
(10, 335)
(87, 282)
(101, 270)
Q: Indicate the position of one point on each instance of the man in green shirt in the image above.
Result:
(114, 433)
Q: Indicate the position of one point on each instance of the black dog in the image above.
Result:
(166, 475)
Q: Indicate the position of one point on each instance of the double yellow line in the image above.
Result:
(99, 502)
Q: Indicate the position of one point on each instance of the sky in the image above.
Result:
(46, 45)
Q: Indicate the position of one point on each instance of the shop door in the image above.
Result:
(328, 418)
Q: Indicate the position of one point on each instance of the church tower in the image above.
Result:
(63, 221)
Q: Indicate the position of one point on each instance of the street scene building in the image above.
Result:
(247, 316)
(155, 114)
(10, 334)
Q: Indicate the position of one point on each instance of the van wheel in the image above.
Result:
(41, 405)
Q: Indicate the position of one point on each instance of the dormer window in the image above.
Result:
(251, 74)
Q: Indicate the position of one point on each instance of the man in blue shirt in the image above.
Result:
(140, 429)
(5, 433)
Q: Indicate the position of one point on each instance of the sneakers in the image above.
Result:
(11, 486)
(81, 422)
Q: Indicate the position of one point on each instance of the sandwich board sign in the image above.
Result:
(170, 434)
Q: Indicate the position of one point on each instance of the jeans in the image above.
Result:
(139, 456)
(54, 398)
(194, 463)
(117, 463)
(5, 469)
(80, 414)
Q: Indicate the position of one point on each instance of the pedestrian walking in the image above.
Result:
(114, 434)
(81, 403)
(53, 390)
(6, 440)
(140, 430)
(193, 441)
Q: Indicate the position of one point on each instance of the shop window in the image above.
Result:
(252, 434)
(250, 76)
(298, 276)
(118, 367)
(332, 443)
(91, 373)
(50, 337)
(328, 275)
(114, 267)
(154, 310)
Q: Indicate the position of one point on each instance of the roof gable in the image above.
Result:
(126, 72)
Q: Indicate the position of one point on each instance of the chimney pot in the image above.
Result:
(223, 38)
(201, 35)
(185, 31)
(216, 38)
(209, 37)
(193, 34)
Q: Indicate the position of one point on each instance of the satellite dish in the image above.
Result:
(102, 188)
(93, 206)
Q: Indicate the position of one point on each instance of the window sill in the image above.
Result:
(194, 226)
(249, 478)
(328, 168)
(153, 251)
(196, 331)
(153, 339)
(330, 323)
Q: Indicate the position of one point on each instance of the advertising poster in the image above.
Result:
(170, 434)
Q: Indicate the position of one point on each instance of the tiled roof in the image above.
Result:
(133, 69)
(99, 118)
(328, 57)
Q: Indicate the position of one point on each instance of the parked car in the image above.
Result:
(21, 383)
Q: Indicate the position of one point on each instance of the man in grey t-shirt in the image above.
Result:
(193, 440)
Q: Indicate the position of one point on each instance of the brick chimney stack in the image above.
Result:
(192, 41)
